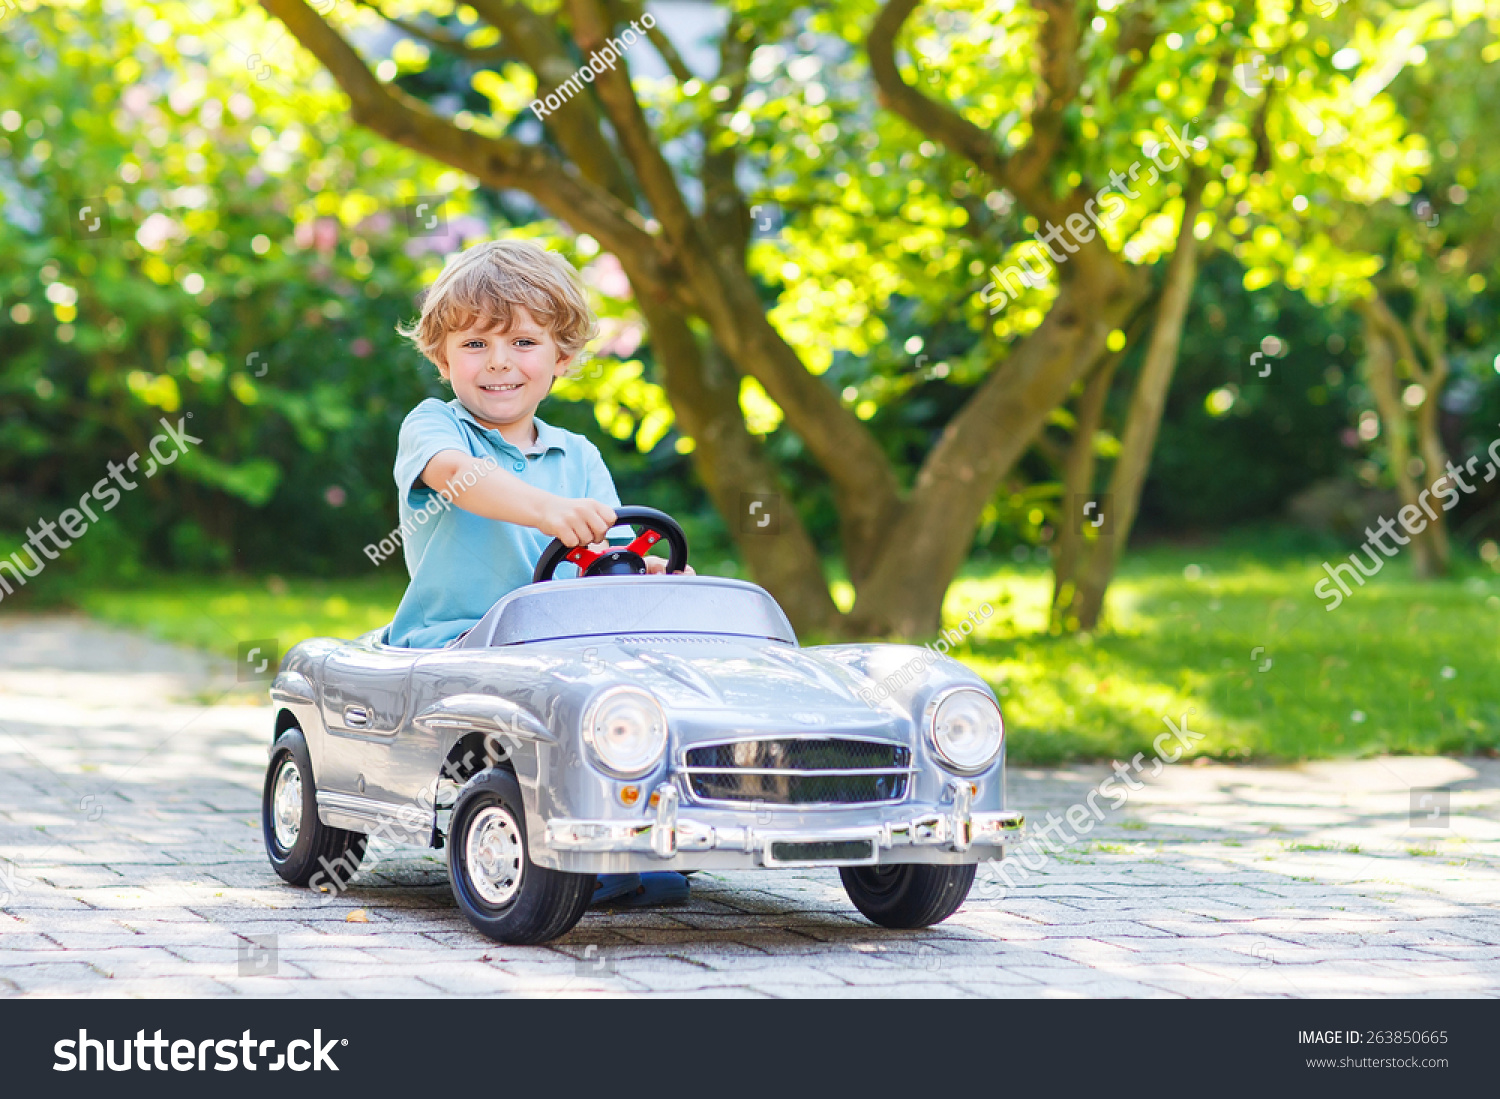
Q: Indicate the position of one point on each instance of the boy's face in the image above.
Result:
(501, 377)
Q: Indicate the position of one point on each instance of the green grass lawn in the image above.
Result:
(1399, 667)
(218, 613)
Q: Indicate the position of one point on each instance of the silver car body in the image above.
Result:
(738, 693)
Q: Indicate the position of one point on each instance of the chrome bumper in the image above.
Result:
(668, 832)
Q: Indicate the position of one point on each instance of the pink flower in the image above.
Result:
(335, 496)
(622, 342)
(607, 276)
(326, 234)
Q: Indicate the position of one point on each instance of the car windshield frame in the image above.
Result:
(614, 606)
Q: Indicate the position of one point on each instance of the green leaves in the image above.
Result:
(244, 270)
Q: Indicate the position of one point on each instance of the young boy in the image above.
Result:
(501, 322)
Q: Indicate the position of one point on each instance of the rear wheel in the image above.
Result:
(905, 897)
(502, 892)
(300, 846)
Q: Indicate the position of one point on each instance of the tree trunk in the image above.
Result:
(1431, 308)
(1078, 481)
(1386, 347)
(729, 461)
(928, 542)
(1143, 420)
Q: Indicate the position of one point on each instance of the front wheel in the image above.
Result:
(300, 846)
(502, 892)
(905, 897)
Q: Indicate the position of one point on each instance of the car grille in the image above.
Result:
(799, 771)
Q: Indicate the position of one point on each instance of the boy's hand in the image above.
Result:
(576, 522)
(655, 566)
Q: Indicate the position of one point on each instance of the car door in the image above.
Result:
(364, 701)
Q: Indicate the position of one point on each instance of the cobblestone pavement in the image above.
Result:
(131, 865)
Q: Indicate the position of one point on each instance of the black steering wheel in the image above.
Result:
(624, 560)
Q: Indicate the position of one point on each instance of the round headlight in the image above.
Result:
(626, 731)
(966, 730)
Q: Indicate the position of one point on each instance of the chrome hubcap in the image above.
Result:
(494, 855)
(286, 805)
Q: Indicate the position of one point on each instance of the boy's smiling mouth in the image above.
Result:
(501, 388)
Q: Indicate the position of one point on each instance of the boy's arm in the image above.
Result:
(498, 494)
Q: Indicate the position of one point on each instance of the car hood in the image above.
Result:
(719, 672)
(712, 684)
(734, 683)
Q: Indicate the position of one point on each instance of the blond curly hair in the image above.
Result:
(488, 281)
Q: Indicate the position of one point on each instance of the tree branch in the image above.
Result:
(446, 42)
(499, 162)
(1137, 33)
(577, 124)
(625, 11)
(612, 86)
(1385, 318)
(1427, 331)
(726, 217)
(1058, 76)
(934, 119)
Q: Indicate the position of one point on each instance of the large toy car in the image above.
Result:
(618, 722)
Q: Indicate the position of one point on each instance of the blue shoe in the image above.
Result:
(657, 888)
(611, 887)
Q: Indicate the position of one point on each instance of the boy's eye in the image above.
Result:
(473, 343)
(526, 341)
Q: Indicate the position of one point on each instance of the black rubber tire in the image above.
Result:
(332, 852)
(906, 897)
(548, 902)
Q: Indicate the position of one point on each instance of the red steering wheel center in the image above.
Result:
(628, 560)
(583, 557)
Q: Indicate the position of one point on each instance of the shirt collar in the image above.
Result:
(547, 436)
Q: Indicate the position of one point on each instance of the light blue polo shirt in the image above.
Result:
(461, 563)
